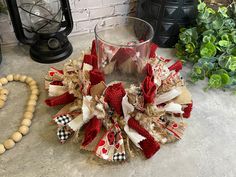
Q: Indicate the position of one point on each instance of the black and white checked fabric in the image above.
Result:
(119, 156)
(63, 119)
(63, 134)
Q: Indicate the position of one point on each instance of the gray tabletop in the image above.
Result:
(208, 148)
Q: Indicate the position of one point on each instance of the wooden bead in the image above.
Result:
(3, 81)
(35, 91)
(9, 144)
(33, 97)
(16, 77)
(24, 130)
(30, 108)
(2, 149)
(28, 115)
(26, 122)
(32, 102)
(32, 87)
(3, 97)
(2, 103)
(17, 136)
(4, 92)
(10, 77)
(28, 80)
(33, 82)
(22, 78)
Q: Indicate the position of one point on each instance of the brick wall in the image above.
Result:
(86, 13)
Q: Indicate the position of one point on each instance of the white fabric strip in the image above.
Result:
(167, 96)
(126, 107)
(86, 108)
(56, 90)
(174, 108)
(87, 67)
(134, 136)
(46, 84)
(76, 123)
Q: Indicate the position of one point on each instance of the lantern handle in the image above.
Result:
(16, 22)
(68, 24)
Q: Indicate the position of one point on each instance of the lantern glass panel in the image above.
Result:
(41, 16)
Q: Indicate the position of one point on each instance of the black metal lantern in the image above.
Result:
(44, 25)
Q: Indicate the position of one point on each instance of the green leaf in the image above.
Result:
(217, 23)
(208, 32)
(215, 81)
(201, 6)
(233, 36)
(229, 23)
(209, 38)
(225, 37)
(208, 50)
(233, 51)
(225, 79)
(228, 62)
(182, 30)
(224, 43)
(211, 11)
(223, 11)
(190, 47)
(232, 63)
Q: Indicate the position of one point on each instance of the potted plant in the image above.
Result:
(211, 46)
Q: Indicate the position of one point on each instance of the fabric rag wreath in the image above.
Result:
(107, 116)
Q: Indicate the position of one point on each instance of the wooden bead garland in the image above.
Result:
(28, 115)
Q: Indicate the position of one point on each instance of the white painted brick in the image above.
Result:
(86, 25)
(74, 27)
(81, 14)
(113, 2)
(112, 20)
(87, 3)
(72, 5)
(101, 12)
(122, 9)
(80, 32)
(86, 14)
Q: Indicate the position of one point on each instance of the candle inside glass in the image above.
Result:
(123, 45)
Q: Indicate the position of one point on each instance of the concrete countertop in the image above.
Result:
(208, 148)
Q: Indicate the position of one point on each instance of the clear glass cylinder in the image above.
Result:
(123, 44)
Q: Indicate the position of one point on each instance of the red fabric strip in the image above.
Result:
(93, 50)
(58, 70)
(149, 145)
(148, 69)
(177, 66)
(187, 111)
(113, 96)
(96, 76)
(149, 89)
(92, 128)
(56, 83)
(65, 98)
(92, 60)
(153, 49)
